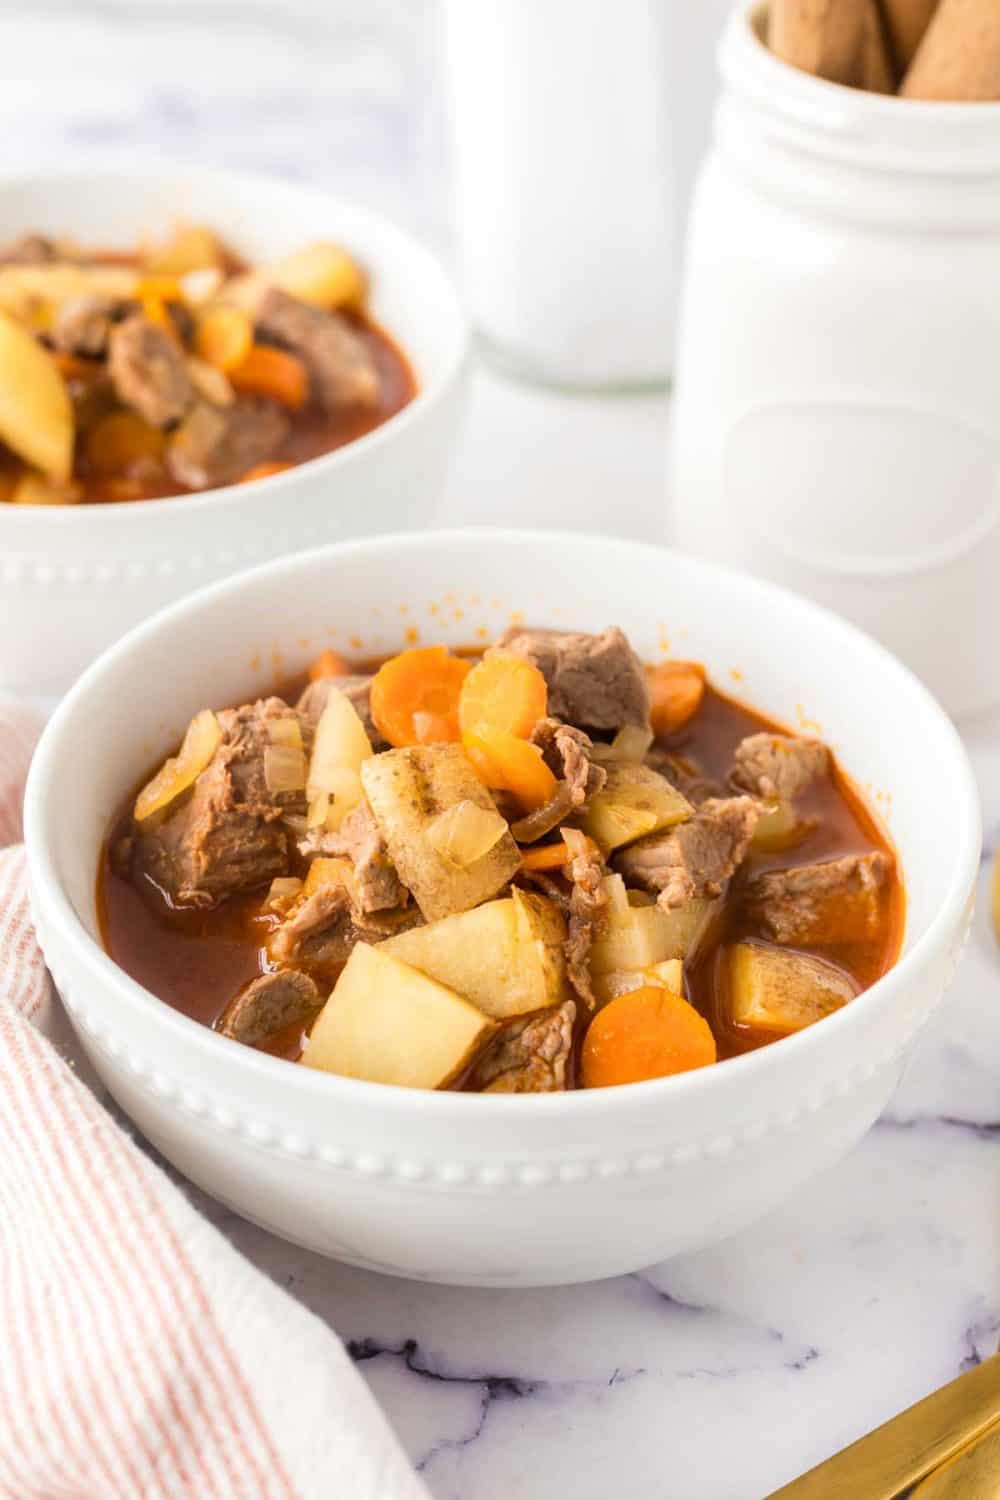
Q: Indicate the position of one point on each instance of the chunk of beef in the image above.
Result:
(566, 752)
(217, 445)
(30, 250)
(778, 765)
(83, 324)
(359, 838)
(227, 835)
(695, 859)
(148, 370)
(321, 930)
(837, 901)
(593, 680)
(355, 686)
(268, 1004)
(341, 367)
(586, 917)
(530, 1056)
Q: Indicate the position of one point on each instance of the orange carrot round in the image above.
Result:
(645, 1033)
(510, 764)
(504, 692)
(272, 372)
(414, 696)
(676, 689)
(328, 663)
(119, 439)
(224, 337)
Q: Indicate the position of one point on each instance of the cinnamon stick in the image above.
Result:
(905, 24)
(840, 40)
(959, 57)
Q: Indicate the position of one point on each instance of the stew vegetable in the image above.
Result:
(175, 367)
(547, 868)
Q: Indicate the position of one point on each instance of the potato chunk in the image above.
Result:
(636, 937)
(407, 789)
(778, 991)
(506, 956)
(36, 415)
(387, 1023)
(634, 801)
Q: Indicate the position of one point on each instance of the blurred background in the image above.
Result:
(344, 92)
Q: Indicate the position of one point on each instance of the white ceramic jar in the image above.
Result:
(837, 423)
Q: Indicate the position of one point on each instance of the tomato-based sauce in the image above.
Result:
(196, 961)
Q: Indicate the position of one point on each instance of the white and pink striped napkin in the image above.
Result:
(140, 1356)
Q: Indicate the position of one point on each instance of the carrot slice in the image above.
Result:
(503, 761)
(328, 663)
(504, 692)
(550, 856)
(272, 372)
(224, 337)
(119, 439)
(72, 367)
(676, 689)
(414, 696)
(264, 470)
(546, 857)
(645, 1033)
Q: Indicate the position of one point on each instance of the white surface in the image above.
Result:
(837, 424)
(454, 1187)
(74, 579)
(722, 1374)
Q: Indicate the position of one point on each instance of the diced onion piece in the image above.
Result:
(284, 768)
(281, 893)
(778, 827)
(340, 744)
(199, 287)
(210, 382)
(578, 844)
(616, 895)
(631, 742)
(203, 738)
(285, 731)
(465, 832)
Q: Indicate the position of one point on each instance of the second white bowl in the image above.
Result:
(75, 578)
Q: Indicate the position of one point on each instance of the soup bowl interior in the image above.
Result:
(493, 1189)
(74, 578)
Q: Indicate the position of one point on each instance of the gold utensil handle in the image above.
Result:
(887, 1463)
(973, 1474)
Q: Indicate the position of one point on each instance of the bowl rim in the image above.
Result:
(324, 466)
(573, 1105)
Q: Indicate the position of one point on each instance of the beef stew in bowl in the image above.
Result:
(539, 867)
(175, 367)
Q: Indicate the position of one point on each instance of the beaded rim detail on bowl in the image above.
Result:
(493, 1176)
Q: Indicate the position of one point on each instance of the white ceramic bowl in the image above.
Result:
(74, 579)
(500, 1190)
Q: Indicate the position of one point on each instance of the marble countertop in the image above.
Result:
(720, 1375)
